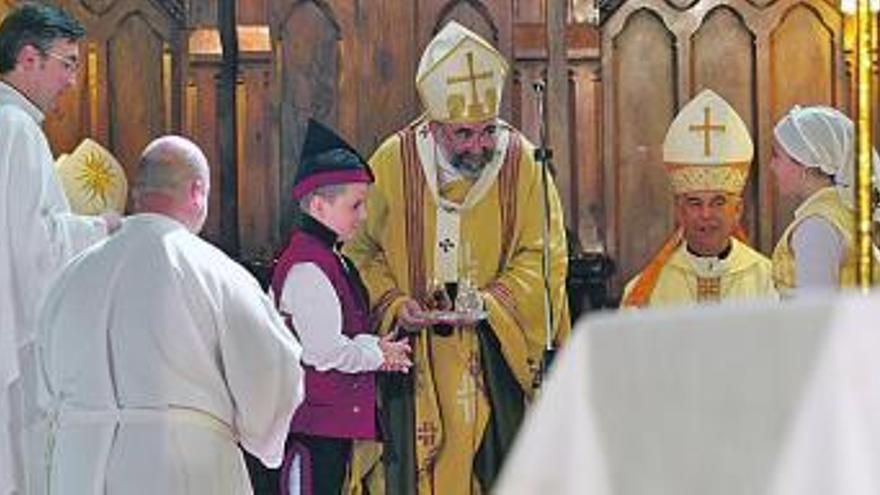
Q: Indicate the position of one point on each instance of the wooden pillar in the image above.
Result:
(558, 103)
(226, 128)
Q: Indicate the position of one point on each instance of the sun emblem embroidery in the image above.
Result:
(96, 178)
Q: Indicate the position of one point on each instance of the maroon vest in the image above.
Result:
(338, 405)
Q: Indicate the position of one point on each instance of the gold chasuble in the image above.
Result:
(827, 205)
(685, 278)
(445, 421)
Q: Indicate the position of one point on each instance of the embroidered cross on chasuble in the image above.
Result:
(466, 397)
(446, 253)
(708, 289)
(426, 433)
(708, 273)
(446, 244)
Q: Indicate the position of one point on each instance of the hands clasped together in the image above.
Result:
(395, 352)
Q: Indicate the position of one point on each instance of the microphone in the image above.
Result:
(538, 86)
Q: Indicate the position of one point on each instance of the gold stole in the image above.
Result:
(450, 470)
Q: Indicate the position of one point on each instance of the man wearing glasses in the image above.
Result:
(39, 58)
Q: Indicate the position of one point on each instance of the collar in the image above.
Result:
(156, 221)
(707, 266)
(314, 227)
(9, 94)
(721, 256)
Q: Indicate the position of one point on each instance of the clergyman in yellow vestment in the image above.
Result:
(707, 153)
(458, 198)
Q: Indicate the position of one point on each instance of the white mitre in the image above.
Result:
(92, 179)
(708, 147)
(461, 77)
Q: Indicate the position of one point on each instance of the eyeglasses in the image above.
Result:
(70, 62)
(461, 133)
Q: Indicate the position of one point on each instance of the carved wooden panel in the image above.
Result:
(576, 152)
(378, 83)
(200, 124)
(134, 95)
(644, 103)
(724, 60)
(762, 3)
(258, 190)
(253, 12)
(98, 6)
(474, 16)
(524, 113)
(587, 176)
(531, 11)
(201, 13)
(681, 4)
(309, 61)
(492, 19)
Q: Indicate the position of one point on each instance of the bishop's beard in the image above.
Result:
(471, 165)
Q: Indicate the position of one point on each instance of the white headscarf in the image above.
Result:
(824, 137)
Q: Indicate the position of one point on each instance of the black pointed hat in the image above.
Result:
(326, 159)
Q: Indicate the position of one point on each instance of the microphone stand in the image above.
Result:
(544, 155)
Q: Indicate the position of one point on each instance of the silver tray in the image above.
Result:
(453, 316)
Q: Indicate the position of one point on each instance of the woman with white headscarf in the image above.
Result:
(813, 161)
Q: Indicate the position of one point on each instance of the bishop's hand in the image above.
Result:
(411, 316)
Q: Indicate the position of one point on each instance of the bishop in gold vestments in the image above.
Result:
(457, 200)
(707, 152)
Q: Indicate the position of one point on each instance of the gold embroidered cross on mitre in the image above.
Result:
(460, 77)
(477, 109)
(706, 128)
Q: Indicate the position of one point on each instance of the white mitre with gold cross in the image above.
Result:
(460, 77)
(708, 147)
(92, 179)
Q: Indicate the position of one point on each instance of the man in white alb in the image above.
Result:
(39, 60)
(159, 353)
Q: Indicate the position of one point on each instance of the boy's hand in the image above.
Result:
(396, 354)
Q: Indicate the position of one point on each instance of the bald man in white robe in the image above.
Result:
(159, 353)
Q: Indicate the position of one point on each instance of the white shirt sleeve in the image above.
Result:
(818, 251)
(316, 313)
